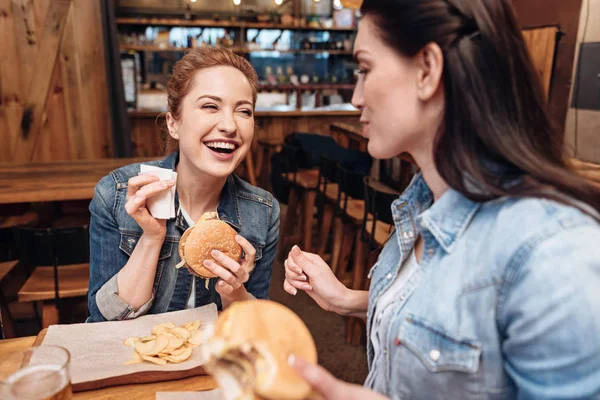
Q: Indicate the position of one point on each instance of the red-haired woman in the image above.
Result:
(210, 122)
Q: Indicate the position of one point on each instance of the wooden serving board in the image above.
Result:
(134, 378)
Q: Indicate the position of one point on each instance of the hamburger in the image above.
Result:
(248, 347)
(206, 235)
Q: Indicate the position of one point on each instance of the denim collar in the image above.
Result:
(446, 219)
(228, 209)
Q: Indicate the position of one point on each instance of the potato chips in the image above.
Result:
(168, 343)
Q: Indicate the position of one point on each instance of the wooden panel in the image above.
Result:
(541, 43)
(40, 81)
(53, 136)
(92, 69)
(564, 14)
(10, 91)
(69, 68)
(27, 37)
(53, 65)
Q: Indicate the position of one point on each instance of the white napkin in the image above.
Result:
(161, 206)
(208, 395)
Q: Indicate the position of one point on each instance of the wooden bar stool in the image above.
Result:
(328, 197)
(6, 318)
(302, 153)
(303, 185)
(266, 148)
(376, 230)
(8, 262)
(352, 214)
(58, 261)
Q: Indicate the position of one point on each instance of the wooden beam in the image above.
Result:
(27, 37)
(10, 92)
(541, 43)
(70, 66)
(39, 87)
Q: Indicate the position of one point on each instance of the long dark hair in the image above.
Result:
(497, 138)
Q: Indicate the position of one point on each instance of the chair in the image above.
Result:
(328, 198)
(301, 154)
(268, 147)
(377, 227)
(352, 212)
(57, 260)
(8, 261)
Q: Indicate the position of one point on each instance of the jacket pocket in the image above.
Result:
(429, 362)
(437, 349)
(129, 240)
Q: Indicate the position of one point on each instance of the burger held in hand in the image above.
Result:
(198, 241)
(248, 348)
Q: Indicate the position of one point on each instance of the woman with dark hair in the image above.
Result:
(489, 286)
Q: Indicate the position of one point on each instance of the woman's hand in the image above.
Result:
(233, 274)
(327, 387)
(139, 189)
(308, 272)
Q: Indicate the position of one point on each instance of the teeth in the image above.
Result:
(221, 145)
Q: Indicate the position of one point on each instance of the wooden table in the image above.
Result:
(56, 181)
(129, 392)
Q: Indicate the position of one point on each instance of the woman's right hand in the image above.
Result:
(308, 272)
(139, 189)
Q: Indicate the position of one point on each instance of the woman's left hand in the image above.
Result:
(327, 387)
(232, 274)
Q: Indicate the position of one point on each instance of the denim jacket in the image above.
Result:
(251, 211)
(505, 302)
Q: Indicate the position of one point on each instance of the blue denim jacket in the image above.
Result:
(251, 211)
(505, 302)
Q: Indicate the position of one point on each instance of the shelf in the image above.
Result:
(234, 49)
(222, 24)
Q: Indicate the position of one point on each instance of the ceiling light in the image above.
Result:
(237, 2)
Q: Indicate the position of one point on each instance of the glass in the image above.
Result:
(38, 373)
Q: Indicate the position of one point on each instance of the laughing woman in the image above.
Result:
(210, 119)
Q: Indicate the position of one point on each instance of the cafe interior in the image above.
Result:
(83, 92)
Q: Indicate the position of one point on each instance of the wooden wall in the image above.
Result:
(583, 125)
(53, 95)
(565, 15)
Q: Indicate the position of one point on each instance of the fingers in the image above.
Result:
(299, 281)
(234, 267)
(293, 270)
(293, 267)
(223, 273)
(135, 203)
(319, 378)
(154, 188)
(305, 261)
(289, 288)
(249, 250)
(223, 287)
(134, 184)
(138, 199)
